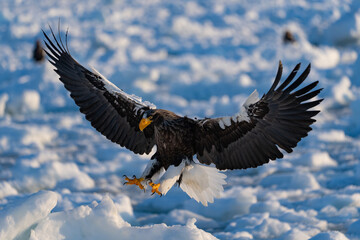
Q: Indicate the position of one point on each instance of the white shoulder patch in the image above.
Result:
(253, 98)
(242, 115)
(112, 88)
(224, 122)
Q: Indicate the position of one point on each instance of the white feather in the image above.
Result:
(147, 170)
(242, 115)
(253, 98)
(112, 88)
(170, 177)
(202, 183)
(224, 122)
(221, 124)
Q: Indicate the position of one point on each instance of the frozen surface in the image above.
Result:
(59, 178)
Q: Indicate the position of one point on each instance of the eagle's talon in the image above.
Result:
(134, 181)
(155, 188)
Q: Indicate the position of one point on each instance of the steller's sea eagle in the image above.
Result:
(279, 119)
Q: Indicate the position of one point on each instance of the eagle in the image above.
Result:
(190, 152)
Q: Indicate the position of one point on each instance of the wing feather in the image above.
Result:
(289, 78)
(279, 120)
(111, 111)
(277, 78)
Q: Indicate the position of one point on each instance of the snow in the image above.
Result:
(333, 136)
(19, 217)
(3, 100)
(342, 91)
(297, 180)
(106, 222)
(333, 235)
(354, 229)
(28, 102)
(318, 160)
(59, 178)
(270, 228)
(346, 29)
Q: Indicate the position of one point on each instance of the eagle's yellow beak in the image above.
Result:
(144, 123)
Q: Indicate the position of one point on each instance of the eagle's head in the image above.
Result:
(150, 116)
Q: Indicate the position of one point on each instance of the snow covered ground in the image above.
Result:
(60, 179)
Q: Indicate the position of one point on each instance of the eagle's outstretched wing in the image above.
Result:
(110, 110)
(281, 118)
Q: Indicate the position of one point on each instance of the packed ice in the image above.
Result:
(61, 179)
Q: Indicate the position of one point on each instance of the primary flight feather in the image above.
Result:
(278, 120)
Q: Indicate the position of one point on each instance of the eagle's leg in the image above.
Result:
(134, 181)
(152, 169)
(155, 188)
(152, 172)
(171, 176)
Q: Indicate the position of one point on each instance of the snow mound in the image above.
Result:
(298, 180)
(333, 136)
(39, 136)
(103, 221)
(50, 174)
(27, 102)
(326, 57)
(22, 215)
(271, 228)
(272, 207)
(3, 99)
(354, 229)
(318, 160)
(342, 91)
(234, 202)
(6, 189)
(295, 234)
(334, 235)
(346, 30)
(182, 216)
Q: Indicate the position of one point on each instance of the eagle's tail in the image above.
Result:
(202, 183)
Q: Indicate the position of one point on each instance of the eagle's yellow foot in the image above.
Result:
(134, 181)
(155, 188)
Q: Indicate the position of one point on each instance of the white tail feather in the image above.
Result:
(202, 183)
(170, 177)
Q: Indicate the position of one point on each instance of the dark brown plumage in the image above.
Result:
(38, 52)
(279, 120)
(288, 37)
